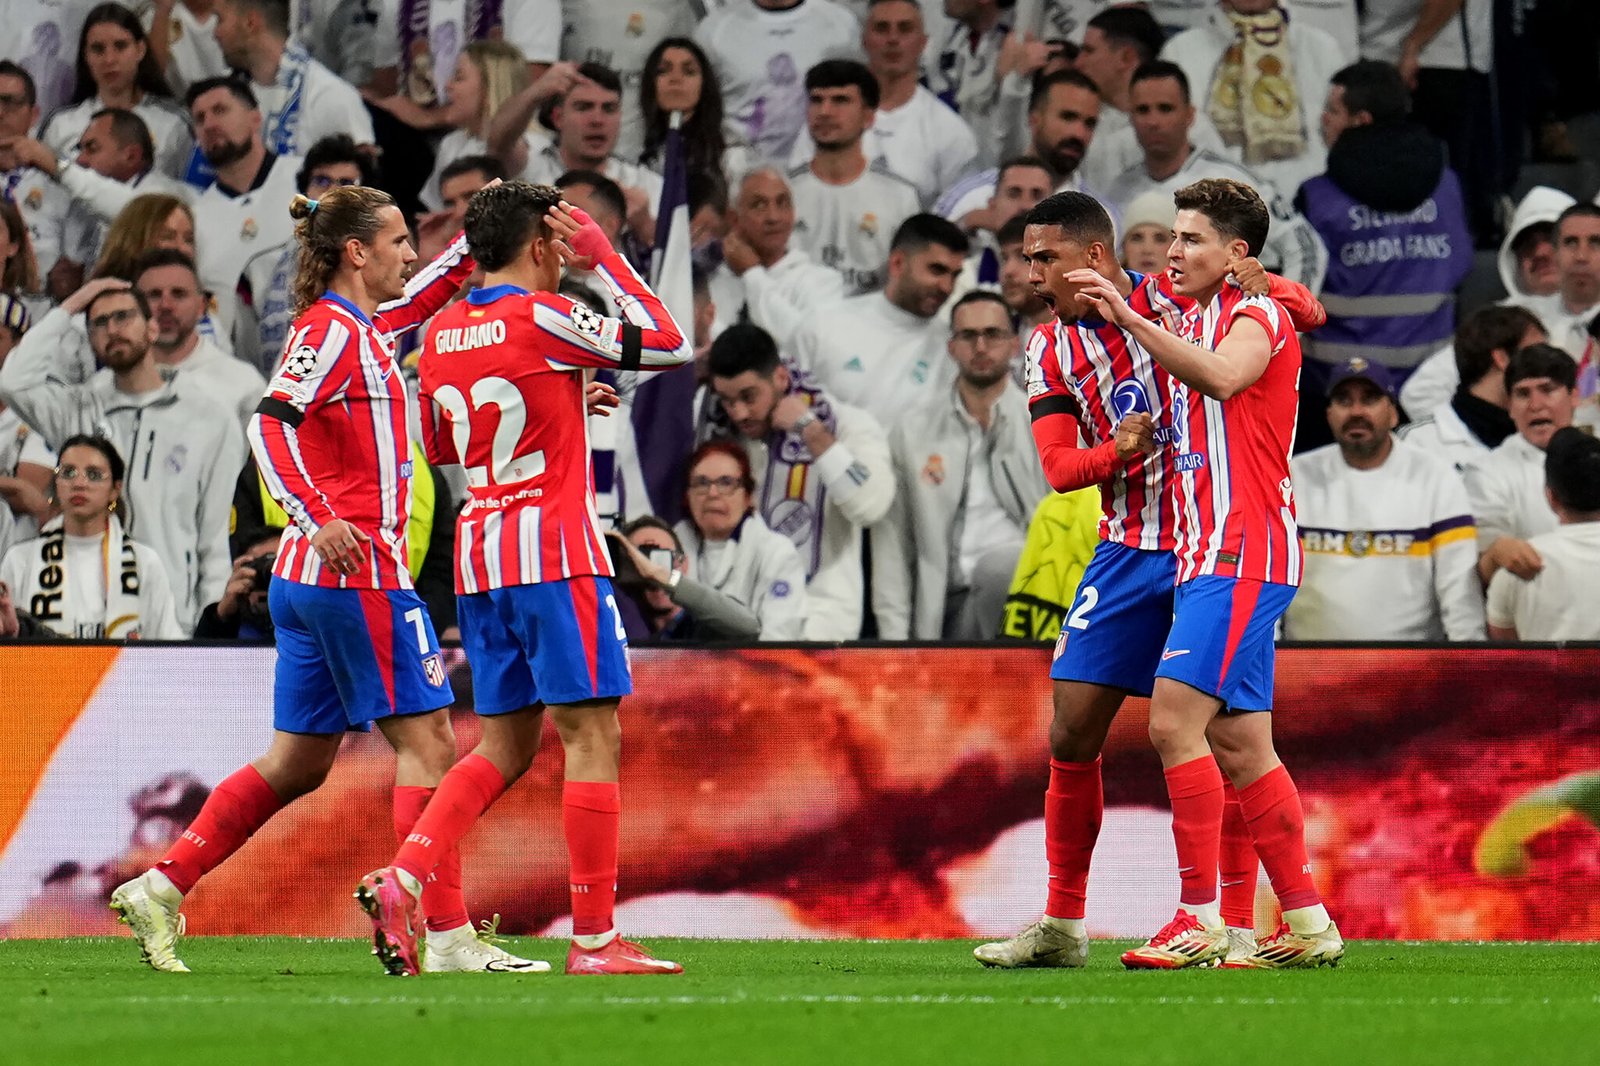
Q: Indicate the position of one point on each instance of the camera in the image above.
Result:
(262, 566)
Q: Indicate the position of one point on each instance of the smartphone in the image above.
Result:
(660, 556)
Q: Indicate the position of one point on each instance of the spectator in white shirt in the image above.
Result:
(622, 36)
(585, 119)
(1261, 77)
(171, 285)
(1019, 185)
(82, 577)
(1507, 487)
(1163, 122)
(765, 278)
(680, 78)
(184, 39)
(885, 351)
(489, 74)
(301, 100)
(848, 209)
(730, 549)
(184, 452)
(1474, 421)
(268, 275)
(25, 460)
(964, 70)
(1558, 602)
(968, 479)
(243, 211)
(1568, 312)
(917, 135)
(824, 470)
(762, 50)
(117, 69)
(1117, 42)
(1382, 523)
(43, 203)
(1063, 112)
(114, 162)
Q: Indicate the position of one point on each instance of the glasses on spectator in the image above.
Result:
(971, 337)
(101, 323)
(95, 474)
(323, 181)
(724, 485)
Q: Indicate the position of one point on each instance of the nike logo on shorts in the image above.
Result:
(1173, 654)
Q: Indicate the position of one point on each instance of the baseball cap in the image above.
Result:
(1367, 370)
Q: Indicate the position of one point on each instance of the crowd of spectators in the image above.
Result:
(860, 462)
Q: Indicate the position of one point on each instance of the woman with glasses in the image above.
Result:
(116, 69)
(730, 548)
(81, 576)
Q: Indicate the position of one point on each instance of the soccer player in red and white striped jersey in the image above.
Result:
(355, 645)
(503, 394)
(1098, 400)
(1233, 401)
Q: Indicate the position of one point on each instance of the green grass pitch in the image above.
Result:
(306, 1002)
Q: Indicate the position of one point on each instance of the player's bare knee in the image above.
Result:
(589, 727)
(1073, 740)
(511, 741)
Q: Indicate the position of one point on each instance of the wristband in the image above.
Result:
(808, 416)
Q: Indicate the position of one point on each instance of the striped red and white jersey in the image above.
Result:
(1231, 487)
(1104, 375)
(503, 395)
(330, 436)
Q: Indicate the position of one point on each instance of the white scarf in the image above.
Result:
(120, 618)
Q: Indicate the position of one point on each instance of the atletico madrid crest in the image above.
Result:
(433, 667)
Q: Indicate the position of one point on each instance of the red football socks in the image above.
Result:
(591, 816)
(1238, 864)
(431, 844)
(234, 810)
(1271, 808)
(1195, 788)
(443, 904)
(1073, 807)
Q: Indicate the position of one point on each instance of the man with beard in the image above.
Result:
(884, 351)
(822, 469)
(1386, 527)
(183, 451)
(846, 208)
(243, 211)
(1062, 115)
(968, 479)
(168, 280)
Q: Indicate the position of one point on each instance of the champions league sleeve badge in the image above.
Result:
(584, 320)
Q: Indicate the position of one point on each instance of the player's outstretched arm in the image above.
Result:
(1238, 361)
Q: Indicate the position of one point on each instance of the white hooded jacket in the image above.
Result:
(183, 454)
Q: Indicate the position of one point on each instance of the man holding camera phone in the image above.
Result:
(242, 613)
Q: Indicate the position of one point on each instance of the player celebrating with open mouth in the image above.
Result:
(1098, 403)
(1233, 403)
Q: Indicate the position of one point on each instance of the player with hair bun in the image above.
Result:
(355, 645)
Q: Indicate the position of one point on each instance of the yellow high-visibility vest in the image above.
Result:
(419, 530)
